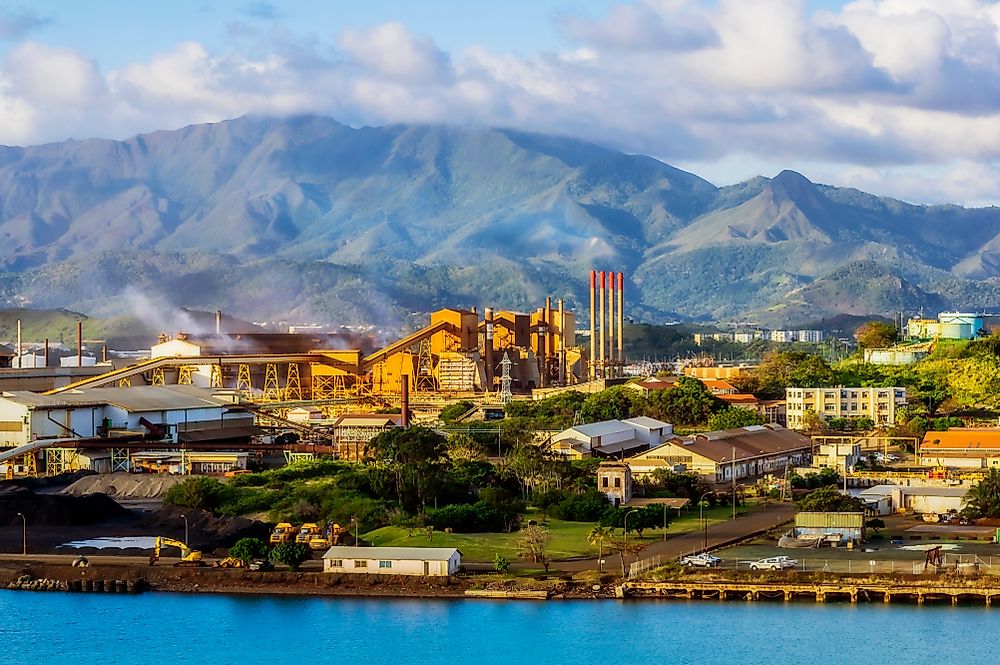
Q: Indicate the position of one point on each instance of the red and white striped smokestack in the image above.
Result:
(593, 320)
(611, 319)
(604, 320)
(621, 320)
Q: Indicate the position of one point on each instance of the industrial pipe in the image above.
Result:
(621, 321)
(46, 351)
(404, 400)
(603, 320)
(20, 351)
(561, 344)
(593, 318)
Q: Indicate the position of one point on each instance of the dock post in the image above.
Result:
(888, 597)
(788, 596)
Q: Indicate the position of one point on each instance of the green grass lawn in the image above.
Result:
(569, 539)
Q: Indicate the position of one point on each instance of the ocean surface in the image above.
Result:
(179, 629)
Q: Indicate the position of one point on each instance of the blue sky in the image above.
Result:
(898, 97)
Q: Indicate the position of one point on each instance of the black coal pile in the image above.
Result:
(55, 509)
(206, 531)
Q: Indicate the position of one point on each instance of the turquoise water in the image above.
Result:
(220, 630)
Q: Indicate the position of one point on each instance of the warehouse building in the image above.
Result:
(961, 447)
(419, 561)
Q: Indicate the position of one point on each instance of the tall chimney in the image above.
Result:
(46, 351)
(488, 347)
(104, 353)
(20, 352)
(79, 343)
(561, 344)
(404, 400)
(621, 321)
(611, 321)
(604, 321)
(218, 322)
(593, 318)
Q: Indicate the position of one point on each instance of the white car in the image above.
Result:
(883, 457)
(704, 560)
(774, 563)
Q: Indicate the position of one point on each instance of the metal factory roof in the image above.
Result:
(396, 553)
(646, 422)
(746, 442)
(965, 439)
(136, 398)
(369, 420)
(602, 428)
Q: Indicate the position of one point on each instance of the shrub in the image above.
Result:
(198, 492)
(584, 507)
(248, 549)
(291, 554)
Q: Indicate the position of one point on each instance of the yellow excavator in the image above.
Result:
(283, 532)
(189, 557)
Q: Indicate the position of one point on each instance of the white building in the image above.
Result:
(813, 336)
(894, 498)
(420, 561)
(784, 336)
(611, 438)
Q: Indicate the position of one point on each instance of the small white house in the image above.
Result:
(419, 561)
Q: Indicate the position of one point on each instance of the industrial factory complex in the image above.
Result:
(209, 402)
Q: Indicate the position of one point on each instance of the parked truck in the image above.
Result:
(307, 532)
(283, 533)
(329, 536)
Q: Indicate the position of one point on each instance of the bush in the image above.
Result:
(585, 507)
(472, 517)
(198, 492)
(291, 554)
(248, 549)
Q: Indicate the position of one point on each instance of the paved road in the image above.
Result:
(718, 535)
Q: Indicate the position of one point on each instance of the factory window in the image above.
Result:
(337, 563)
(360, 563)
(385, 564)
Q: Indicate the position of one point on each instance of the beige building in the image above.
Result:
(749, 452)
(614, 480)
(879, 404)
(419, 561)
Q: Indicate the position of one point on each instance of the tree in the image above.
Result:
(813, 422)
(689, 402)
(983, 498)
(197, 492)
(533, 543)
(976, 382)
(828, 499)
(875, 335)
(733, 417)
(615, 403)
(597, 536)
(248, 549)
(875, 524)
(291, 554)
(414, 458)
(456, 409)
(778, 371)
(463, 448)
(500, 564)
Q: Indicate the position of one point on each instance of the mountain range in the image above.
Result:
(306, 219)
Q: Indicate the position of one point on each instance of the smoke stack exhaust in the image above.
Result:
(621, 320)
(79, 343)
(218, 322)
(593, 319)
(404, 401)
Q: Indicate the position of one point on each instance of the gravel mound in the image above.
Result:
(124, 485)
(206, 531)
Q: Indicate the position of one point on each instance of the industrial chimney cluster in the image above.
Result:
(608, 359)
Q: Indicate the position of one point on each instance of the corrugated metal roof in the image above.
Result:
(646, 422)
(961, 439)
(368, 420)
(831, 520)
(749, 442)
(602, 428)
(394, 553)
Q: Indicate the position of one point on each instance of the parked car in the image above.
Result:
(703, 560)
(261, 564)
(774, 563)
(886, 457)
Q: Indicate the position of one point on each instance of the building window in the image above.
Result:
(360, 563)
(337, 563)
(618, 482)
(385, 564)
(604, 482)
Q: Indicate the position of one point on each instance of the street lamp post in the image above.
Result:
(354, 520)
(704, 522)
(184, 517)
(625, 548)
(664, 521)
(24, 534)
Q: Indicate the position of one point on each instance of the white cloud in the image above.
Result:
(881, 84)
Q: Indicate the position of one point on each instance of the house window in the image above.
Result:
(360, 563)
(385, 564)
(604, 482)
(618, 482)
(337, 563)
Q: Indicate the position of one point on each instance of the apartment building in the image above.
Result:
(879, 404)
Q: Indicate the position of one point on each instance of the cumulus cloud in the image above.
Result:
(883, 85)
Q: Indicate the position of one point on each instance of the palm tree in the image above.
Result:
(597, 536)
(984, 497)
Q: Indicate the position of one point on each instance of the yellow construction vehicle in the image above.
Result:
(307, 532)
(189, 557)
(229, 562)
(330, 536)
(283, 532)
